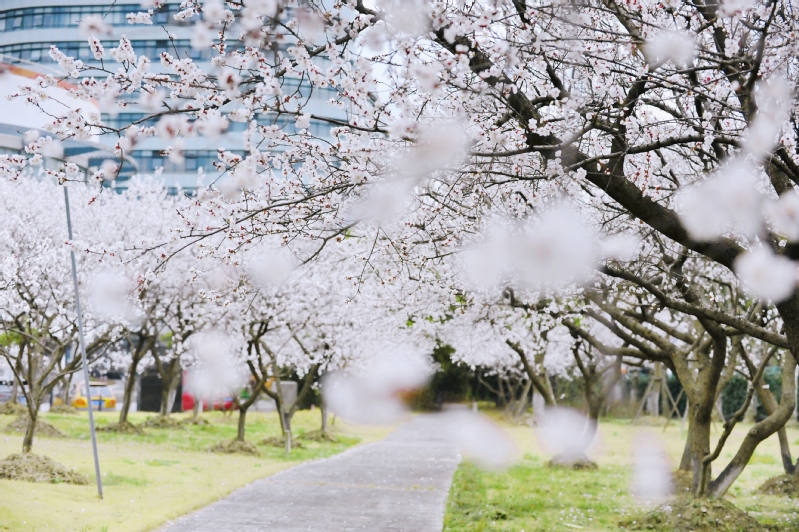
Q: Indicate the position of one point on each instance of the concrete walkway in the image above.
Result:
(398, 484)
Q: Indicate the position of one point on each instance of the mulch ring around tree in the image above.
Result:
(237, 447)
(280, 441)
(200, 421)
(318, 436)
(12, 409)
(126, 427)
(31, 467)
(63, 409)
(695, 515)
(163, 422)
(582, 463)
(783, 485)
(43, 428)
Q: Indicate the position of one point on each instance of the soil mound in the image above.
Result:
(279, 441)
(695, 515)
(63, 409)
(34, 468)
(43, 428)
(318, 436)
(235, 446)
(783, 485)
(12, 409)
(581, 464)
(162, 422)
(200, 421)
(122, 428)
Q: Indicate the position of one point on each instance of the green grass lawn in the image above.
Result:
(151, 478)
(532, 497)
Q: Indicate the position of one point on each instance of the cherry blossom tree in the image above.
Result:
(520, 143)
(37, 299)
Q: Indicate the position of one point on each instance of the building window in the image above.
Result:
(80, 49)
(70, 16)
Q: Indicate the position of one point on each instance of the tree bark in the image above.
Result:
(699, 420)
(128, 394)
(287, 430)
(27, 441)
(169, 383)
(195, 412)
(323, 409)
(242, 423)
(761, 431)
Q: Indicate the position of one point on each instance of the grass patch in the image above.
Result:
(533, 497)
(152, 477)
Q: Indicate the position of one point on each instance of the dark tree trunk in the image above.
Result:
(27, 441)
(128, 394)
(699, 421)
(195, 412)
(170, 380)
(760, 431)
(242, 423)
(287, 431)
(67, 386)
(323, 409)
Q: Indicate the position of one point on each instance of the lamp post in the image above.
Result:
(83, 351)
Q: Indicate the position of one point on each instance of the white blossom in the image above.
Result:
(766, 275)
(677, 47)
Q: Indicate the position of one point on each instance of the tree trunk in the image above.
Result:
(67, 386)
(699, 420)
(279, 410)
(195, 412)
(242, 422)
(287, 430)
(27, 441)
(760, 431)
(14, 391)
(169, 380)
(323, 409)
(128, 395)
(164, 399)
(770, 405)
(685, 461)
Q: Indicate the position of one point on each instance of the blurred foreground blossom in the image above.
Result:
(271, 267)
(385, 201)
(728, 201)
(109, 295)
(373, 396)
(651, 470)
(479, 438)
(92, 25)
(766, 275)
(215, 374)
(784, 215)
(566, 433)
(410, 17)
(555, 250)
(675, 46)
(774, 99)
(620, 247)
(435, 148)
(731, 8)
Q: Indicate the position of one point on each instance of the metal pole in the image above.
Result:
(83, 352)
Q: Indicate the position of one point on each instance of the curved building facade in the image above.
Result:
(28, 28)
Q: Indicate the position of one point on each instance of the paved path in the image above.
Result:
(397, 484)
